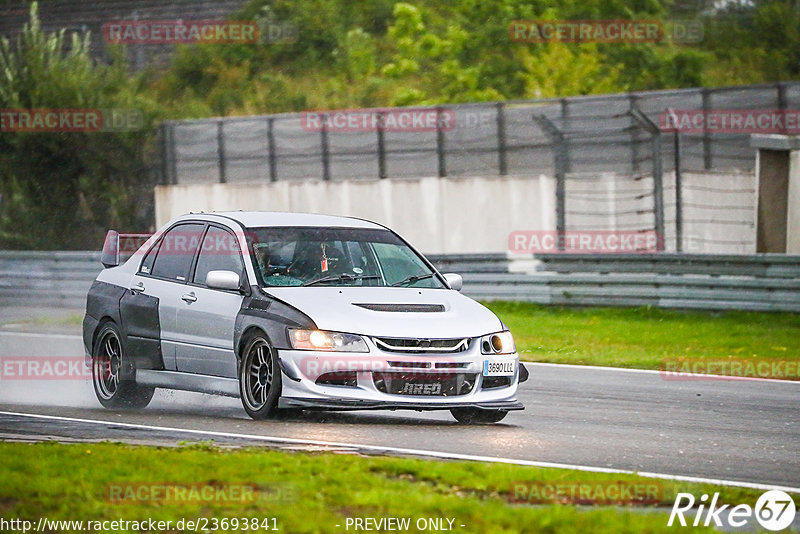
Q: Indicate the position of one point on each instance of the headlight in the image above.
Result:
(499, 343)
(322, 340)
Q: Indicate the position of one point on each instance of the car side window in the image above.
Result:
(147, 263)
(219, 252)
(176, 252)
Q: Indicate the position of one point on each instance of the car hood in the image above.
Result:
(391, 311)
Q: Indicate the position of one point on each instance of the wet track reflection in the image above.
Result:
(744, 431)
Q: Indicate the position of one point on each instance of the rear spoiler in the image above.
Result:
(110, 254)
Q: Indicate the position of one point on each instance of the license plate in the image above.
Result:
(498, 367)
(422, 388)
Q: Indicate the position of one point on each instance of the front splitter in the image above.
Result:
(339, 404)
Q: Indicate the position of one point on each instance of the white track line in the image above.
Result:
(672, 376)
(414, 452)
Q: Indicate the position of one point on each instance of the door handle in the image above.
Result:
(189, 298)
(137, 288)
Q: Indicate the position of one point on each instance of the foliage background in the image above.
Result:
(64, 190)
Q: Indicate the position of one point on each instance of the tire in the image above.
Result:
(469, 416)
(113, 375)
(259, 378)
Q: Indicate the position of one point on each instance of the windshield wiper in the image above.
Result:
(412, 279)
(344, 277)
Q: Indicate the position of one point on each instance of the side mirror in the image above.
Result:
(454, 281)
(110, 255)
(223, 280)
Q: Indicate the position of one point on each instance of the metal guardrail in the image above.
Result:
(758, 282)
(756, 265)
(47, 279)
(763, 282)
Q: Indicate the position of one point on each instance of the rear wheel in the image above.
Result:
(113, 375)
(469, 416)
(259, 378)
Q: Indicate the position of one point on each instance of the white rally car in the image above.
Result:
(289, 310)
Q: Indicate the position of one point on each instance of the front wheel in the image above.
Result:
(259, 378)
(469, 416)
(113, 376)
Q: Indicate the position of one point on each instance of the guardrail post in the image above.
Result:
(440, 148)
(273, 161)
(221, 152)
(632, 99)
(564, 140)
(781, 87)
(707, 156)
(561, 168)
(381, 147)
(500, 115)
(658, 174)
(658, 192)
(678, 195)
(323, 139)
(164, 149)
(173, 160)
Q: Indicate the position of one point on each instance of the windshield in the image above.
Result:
(285, 257)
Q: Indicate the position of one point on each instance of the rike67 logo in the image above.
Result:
(774, 510)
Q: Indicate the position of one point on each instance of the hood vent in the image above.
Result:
(413, 308)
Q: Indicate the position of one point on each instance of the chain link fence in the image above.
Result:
(615, 168)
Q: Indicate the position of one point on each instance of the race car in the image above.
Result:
(293, 311)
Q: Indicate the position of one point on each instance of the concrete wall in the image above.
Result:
(477, 214)
(437, 215)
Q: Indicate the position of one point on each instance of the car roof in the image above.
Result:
(258, 219)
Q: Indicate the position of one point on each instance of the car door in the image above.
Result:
(206, 317)
(163, 275)
(141, 324)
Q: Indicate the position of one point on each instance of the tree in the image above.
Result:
(62, 189)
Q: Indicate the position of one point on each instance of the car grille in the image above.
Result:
(424, 384)
(392, 344)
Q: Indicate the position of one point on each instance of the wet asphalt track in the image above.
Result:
(747, 431)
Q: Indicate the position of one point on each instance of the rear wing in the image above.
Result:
(118, 248)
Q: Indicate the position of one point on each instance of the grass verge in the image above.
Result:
(645, 338)
(313, 492)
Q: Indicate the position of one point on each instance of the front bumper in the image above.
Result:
(303, 384)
